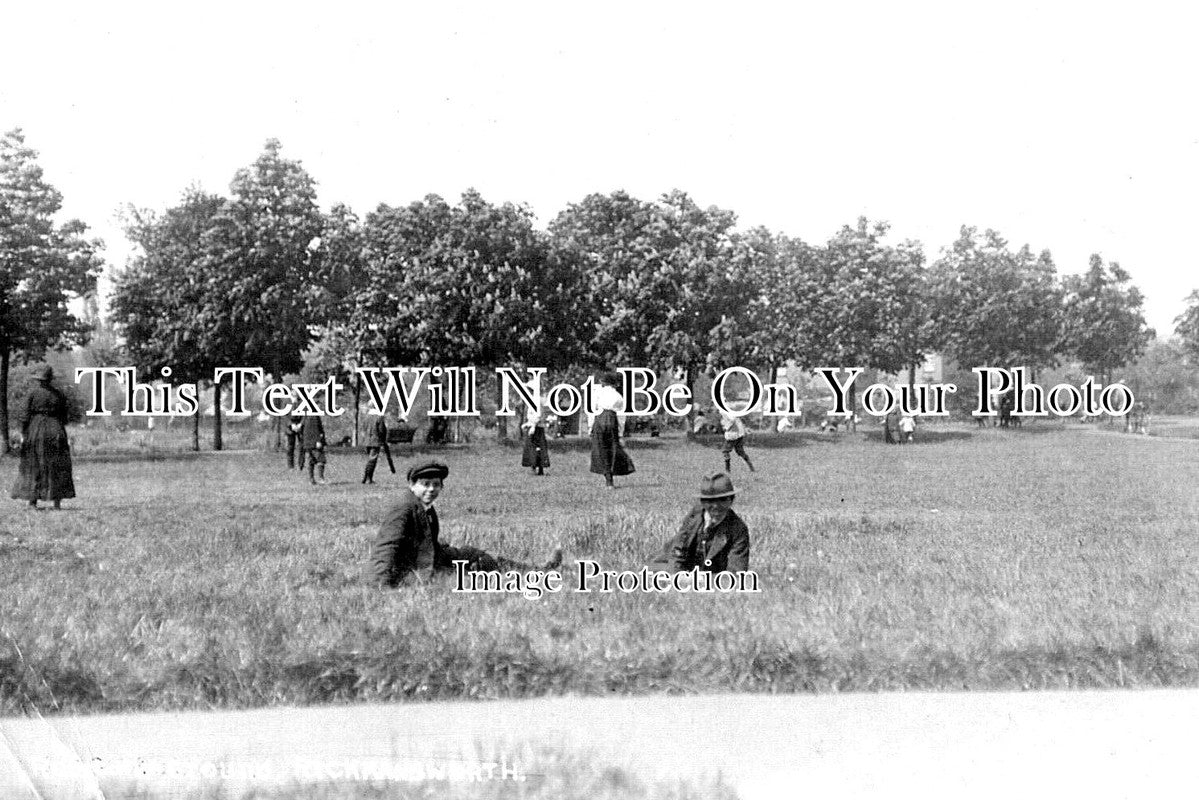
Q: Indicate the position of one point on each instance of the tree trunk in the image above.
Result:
(277, 426)
(217, 442)
(501, 422)
(689, 381)
(5, 445)
(852, 422)
(357, 404)
(196, 431)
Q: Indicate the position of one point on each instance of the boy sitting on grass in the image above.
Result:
(712, 537)
(407, 542)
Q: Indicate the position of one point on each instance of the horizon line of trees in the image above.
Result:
(263, 277)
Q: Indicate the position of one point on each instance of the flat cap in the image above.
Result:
(431, 468)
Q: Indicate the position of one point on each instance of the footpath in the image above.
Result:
(1095, 744)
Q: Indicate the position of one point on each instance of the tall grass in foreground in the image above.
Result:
(1045, 557)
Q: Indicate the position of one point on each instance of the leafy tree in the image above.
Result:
(161, 300)
(668, 283)
(256, 271)
(338, 268)
(869, 301)
(43, 265)
(471, 284)
(994, 307)
(1104, 324)
(1165, 378)
(260, 259)
(783, 317)
(1186, 326)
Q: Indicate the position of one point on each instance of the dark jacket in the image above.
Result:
(376, 433)
(723, 548)
(407, 542)
(312, 435)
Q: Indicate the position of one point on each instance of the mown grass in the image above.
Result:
(1045, 557)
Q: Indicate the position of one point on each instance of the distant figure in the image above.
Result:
(312, 435)
(45, 470)
(376, 441)
(536, 454)
(890, 423)
(294, 426)
(784, 424)
(439, 431)
(1007, 404)
(734, 439)
(1138, 418)
(907, 429)
(712, 538)
(608, 457)
(408, 544)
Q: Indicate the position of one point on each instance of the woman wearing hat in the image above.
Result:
(45, 471)
(408, 540)
(608, 457)
(712, 537)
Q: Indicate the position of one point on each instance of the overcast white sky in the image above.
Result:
(1072, 127)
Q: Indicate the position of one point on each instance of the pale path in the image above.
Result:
(968, 745)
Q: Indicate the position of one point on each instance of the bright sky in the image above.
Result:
(1069, 126)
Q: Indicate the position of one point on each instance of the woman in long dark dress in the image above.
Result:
(536, 454)
(45, 471)
(608, 457)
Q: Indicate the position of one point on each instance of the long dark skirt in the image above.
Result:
(607, 455)
(537, 451)
(45, 471)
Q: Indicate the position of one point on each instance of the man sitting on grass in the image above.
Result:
(712, 537)
(407, 542)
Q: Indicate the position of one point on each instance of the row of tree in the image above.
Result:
(262, 277)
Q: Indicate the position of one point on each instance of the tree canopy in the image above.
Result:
(994, 307)
(43, 265)
(1104, 324)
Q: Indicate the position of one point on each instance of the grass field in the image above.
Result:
(1050, 556)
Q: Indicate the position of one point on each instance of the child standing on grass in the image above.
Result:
(312, 435)
(907, 428)
(734, 439)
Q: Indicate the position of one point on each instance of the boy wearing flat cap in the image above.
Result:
(407, 542)
(712, 537)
